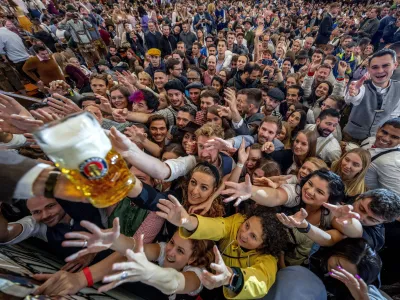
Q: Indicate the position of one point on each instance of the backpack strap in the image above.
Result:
(383, 153)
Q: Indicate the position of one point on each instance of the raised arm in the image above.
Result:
(261, 195)
(139, 268)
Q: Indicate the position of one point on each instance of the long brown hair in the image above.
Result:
(203, 252)
(356, 185)
(312, 145)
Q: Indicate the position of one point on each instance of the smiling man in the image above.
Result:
(374, 102)
(49, 221)
(384, 170)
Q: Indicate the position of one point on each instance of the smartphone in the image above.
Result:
(267, 62)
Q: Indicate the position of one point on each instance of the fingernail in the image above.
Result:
(330, 273)
(339, 267)
(358, 276)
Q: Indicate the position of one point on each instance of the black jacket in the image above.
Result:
(167, 45)
(153, 40)
(325, 30)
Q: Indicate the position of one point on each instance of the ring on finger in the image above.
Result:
(124, 275)
(84, 244)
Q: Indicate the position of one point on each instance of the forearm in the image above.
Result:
(235, 175)
(267, 196)
(167, 280)
(32, 75)
(138, 117)
(319, 236)
(152, 148)
(104, 267)
(353, 229)
(123, 243)
(148, 164)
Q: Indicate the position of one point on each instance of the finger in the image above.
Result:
(76, 243)
(41, 289)
(166, 203)
(77, 235)
(329, 206)
(232, 184)
(42, 277)
(139, 245)
(229, 192)
(162, 215)
(238, 201)
(76, 268)
(363, 285)
(279, 217)
(116, 226)
(304, 213)
(78, 254)
(174, 200)
(227, 200)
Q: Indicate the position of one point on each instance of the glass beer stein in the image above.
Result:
(82, 151)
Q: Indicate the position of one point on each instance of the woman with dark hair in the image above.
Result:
(297, 121)
(213, 117)
(319, 94)
(304, 146)
(175, 267)
(249, 246)
(345, 271)
(310, 200)
(218, 84)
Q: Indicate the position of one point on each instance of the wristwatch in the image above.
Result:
(233, 281)
(51, 184)
(305, 230)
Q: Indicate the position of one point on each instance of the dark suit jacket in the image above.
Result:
(325, 30)
(12, 168)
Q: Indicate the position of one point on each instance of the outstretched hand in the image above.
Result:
(172, 211)
(342, 213)
(95, 240)
(136, 268)
(238, 191)
(222, 274)
(298, 220)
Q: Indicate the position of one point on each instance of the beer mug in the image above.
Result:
(82, 151)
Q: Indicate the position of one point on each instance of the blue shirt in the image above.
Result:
(12, 46)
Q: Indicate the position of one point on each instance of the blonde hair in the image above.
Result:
(211, 8)
(356, 185)
(319, 163)
(147, 76)
(210, 130)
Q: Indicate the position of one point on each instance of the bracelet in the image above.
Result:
(51, 184)
(239, 165)
(88, 276)
(305, 230)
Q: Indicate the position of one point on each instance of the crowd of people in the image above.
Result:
(264, 138)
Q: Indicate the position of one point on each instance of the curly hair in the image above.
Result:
(210, 130)
(384, 203)
(203, 252)
(275, 237)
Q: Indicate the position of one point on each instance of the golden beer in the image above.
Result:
(81, 150)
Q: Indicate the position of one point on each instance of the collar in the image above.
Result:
(382, 90)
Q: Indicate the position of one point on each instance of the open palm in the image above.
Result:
(172, 211)
(96, 239)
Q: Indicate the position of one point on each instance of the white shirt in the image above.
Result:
(356, 100)
(23, 189)
(30, 228)
(18, 140)
(180, 166)
(331, 150)
(383, 172)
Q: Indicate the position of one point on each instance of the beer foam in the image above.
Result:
(74, 141)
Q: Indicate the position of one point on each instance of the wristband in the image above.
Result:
(88, 276)
(239, 165)
(51, 184)
(305, 230)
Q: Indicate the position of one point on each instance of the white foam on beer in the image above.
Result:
(75, 140)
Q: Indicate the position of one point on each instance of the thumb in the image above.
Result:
(139, 245)
(116, 227)
(304, 213)
(218, 258)
(247, 179)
